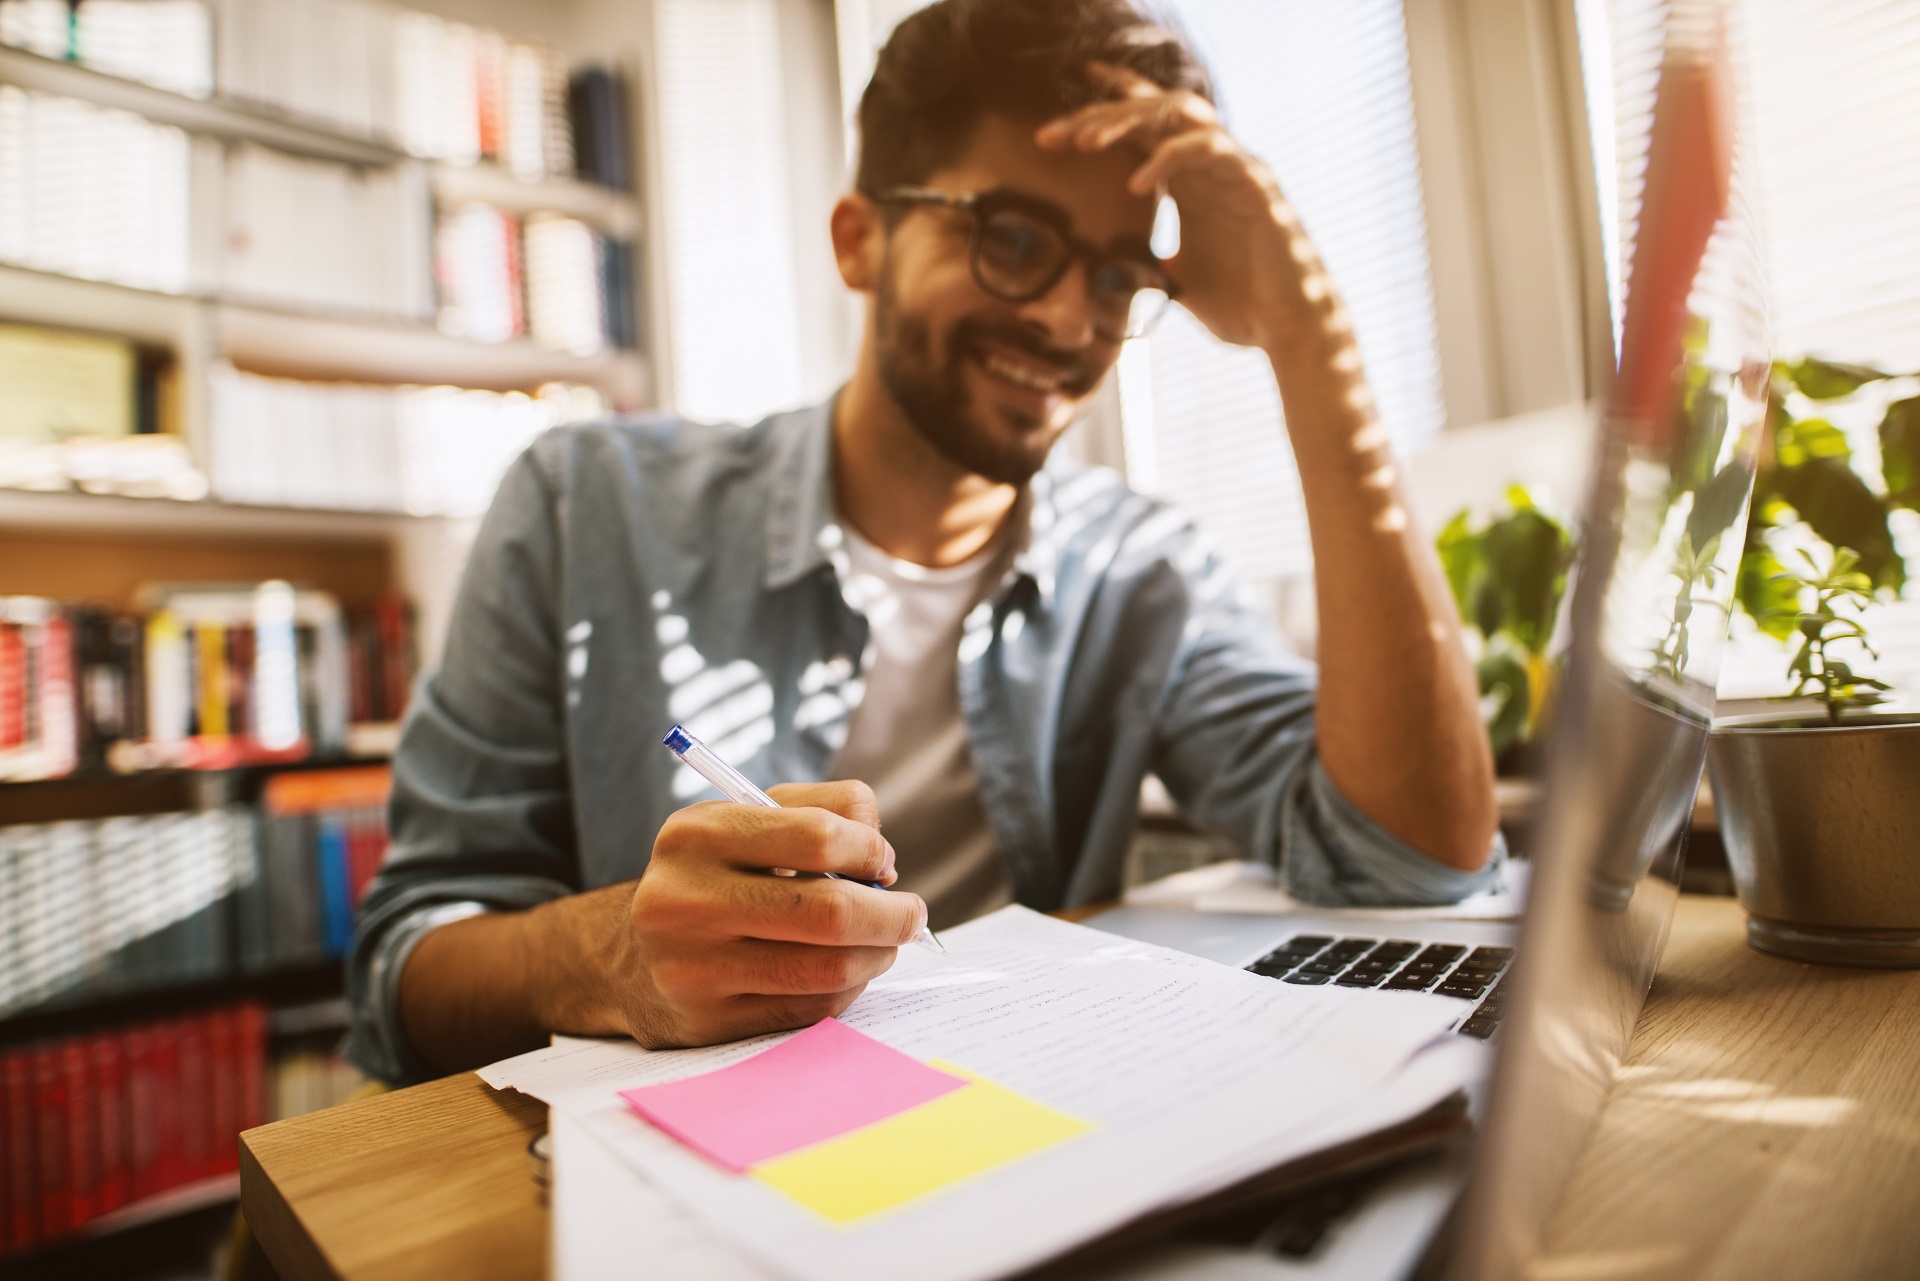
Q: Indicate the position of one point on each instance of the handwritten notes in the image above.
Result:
(819, 1084)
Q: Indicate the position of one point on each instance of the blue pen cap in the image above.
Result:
(678, 739)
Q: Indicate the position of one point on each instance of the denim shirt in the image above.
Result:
(637, 573)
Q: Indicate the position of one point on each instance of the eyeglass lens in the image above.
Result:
(1019, 257)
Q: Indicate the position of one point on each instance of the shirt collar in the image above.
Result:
(803, 525)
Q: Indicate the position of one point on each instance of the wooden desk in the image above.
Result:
(1767, 1124)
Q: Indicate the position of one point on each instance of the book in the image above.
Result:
(597, 105)
(61, 383)
(94, 192)
(99, 1119)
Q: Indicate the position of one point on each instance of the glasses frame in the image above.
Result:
(982, 205)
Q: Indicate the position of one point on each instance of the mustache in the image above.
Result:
(1082, 373)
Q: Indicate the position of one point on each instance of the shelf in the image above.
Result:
(22, 508)
(184, 1199)
(615, 212)
(77, 1012)
(221, 118)
(279, 342)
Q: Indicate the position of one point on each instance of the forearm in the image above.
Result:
(1398, 725)
(489, 986)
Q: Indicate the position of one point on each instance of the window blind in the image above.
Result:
(732, 309)
(1321, 93)
(1836, 148)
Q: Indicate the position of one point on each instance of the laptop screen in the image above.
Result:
(1660, 550)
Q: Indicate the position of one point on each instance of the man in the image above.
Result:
(906, 586)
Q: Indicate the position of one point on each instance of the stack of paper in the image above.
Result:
(974, 1114)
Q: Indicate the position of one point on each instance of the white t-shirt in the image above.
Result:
(907, 740)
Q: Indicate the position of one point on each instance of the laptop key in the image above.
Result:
(1392, 953)
(1479, 1025)
(1268, 969)
(1328, 968)
(1411, 981)
(1309, 980)
(1445, 953)
(1305, 944)
(1500, 954)
(1463, 986)
(1360, 978)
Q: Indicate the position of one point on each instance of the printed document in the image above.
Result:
(1189, 1075)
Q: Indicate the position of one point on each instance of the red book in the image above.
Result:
(195, 1094)
(153, 1107)
(223, 1103)
(13, 686)
(250, 1022)
(396, 654)
(110, 1095)
(83, 1130)
(59, 711)
(50, 1140)
(366, 850)
(22, 1207)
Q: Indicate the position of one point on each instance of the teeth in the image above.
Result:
(1021, 375)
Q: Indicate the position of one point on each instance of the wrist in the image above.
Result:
(572, 950)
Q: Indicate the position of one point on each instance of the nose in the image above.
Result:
(1066, 310)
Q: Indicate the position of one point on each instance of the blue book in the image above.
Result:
(336, 900)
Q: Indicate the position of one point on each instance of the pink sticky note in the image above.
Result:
(809, 1088)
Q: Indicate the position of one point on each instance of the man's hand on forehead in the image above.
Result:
(1245, 267)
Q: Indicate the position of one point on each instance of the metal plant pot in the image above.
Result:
(1822, 828)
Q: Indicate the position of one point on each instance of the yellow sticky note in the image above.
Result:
(971, 1130)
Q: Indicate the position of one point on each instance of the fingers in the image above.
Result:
(821, 912)
(745, 1016)
(750, 837)
(759, 967)
(849, 798)
(1138, 107)
(1180, 155)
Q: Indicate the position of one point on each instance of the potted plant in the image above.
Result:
(1508, 575)
(1820, 805)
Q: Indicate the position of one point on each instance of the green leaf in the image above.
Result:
(1718, 504)
(1527, 554)
(1900, 452)
(1840, 508)
(1462, 559)
(1828, 380)
(1503, 680)
(1801, 439)
(1769, 594)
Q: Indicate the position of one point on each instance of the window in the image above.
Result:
(1321, 92)
(743, 239)
(1837, 172)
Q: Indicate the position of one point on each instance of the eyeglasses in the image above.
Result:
(1022, 246)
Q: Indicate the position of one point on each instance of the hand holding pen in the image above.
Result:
(738, 788)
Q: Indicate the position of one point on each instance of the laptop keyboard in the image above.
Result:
(1398, 965)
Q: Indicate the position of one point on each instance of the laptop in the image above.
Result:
(1556, 997)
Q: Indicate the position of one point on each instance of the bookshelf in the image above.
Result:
(202, 327)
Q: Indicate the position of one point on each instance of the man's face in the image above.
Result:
(992, 384)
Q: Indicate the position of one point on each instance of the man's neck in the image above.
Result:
(898, 491)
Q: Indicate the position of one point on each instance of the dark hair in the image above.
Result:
(951, 63)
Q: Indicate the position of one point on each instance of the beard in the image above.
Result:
(932, 390)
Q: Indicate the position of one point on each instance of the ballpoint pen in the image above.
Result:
(737, 787)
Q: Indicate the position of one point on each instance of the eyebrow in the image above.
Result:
(1137, 246)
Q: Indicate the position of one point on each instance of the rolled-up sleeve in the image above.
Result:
(1235, 746)
(481, 815)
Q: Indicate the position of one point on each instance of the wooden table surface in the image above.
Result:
(1766, 1124)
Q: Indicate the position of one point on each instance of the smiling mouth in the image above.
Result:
(1023, 374)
